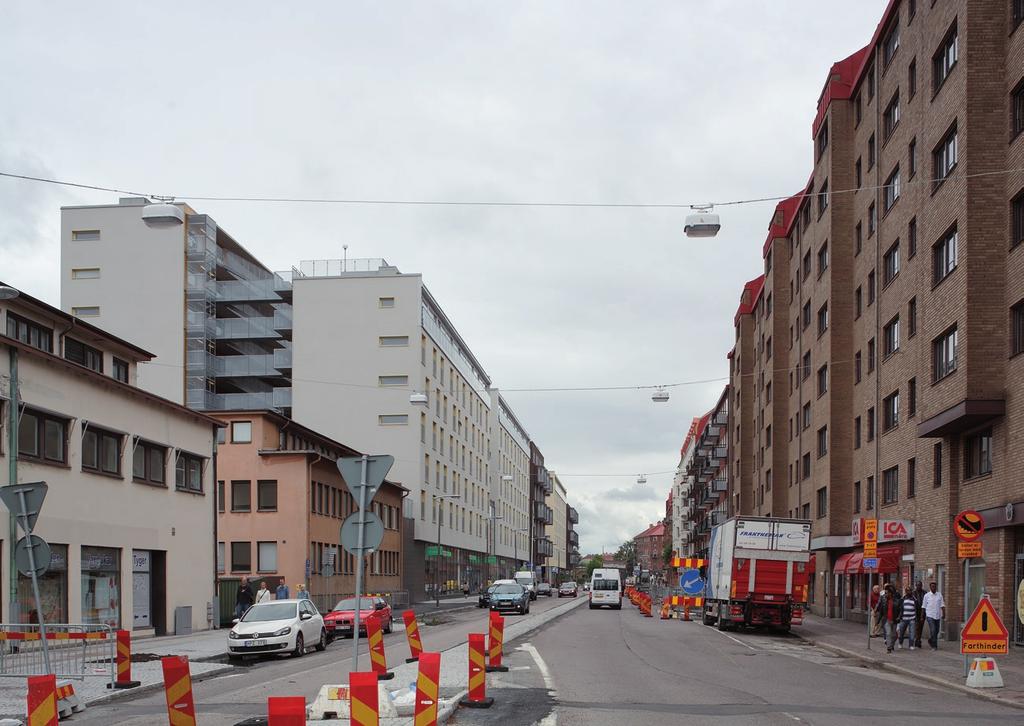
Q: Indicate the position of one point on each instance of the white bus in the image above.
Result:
(606, 588)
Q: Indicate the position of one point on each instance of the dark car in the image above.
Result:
(341, 619)
(485, 597)
(544, 588)
(568, 589)
(511, 597)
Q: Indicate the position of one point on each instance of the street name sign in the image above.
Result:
(984, 631)
(871, 563)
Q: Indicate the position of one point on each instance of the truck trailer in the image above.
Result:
(757, 573)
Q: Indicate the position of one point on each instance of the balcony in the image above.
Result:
(574, 539)
(722, 452)
(283, 319)
(543, 513)
(246, 329)
(539, 477)
(573, 515)
(721, 418)
(719, 484)
(574, 559)
(544, 547)
(717, 518)
(283, 359)
(235, 366)
(265, 290)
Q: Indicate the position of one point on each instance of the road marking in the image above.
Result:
(549, 682)
(735, 640)
(550, 720)
(520, 668)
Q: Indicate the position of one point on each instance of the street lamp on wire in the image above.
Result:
(437, 567)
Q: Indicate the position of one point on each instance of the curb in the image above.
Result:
(935, 680)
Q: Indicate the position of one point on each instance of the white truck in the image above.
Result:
(527, 580)
(757, 573)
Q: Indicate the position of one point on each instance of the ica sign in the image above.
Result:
(889, 530)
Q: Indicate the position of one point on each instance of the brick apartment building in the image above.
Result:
(876, 365)
(650, 549)
(705, 488)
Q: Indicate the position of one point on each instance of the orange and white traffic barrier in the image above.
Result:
(412, 634)
(665, 609)
(181, 708)
(124, 660)
(477, 697)
(286, 711)
(496, 634)
(42, 700)
(363, 703)
(378, 661)
(427, 689)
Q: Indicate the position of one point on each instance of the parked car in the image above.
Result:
(586, 587)
(277, 627)
(568, 589)
(544, 588)
(341, 619)
(511, 597)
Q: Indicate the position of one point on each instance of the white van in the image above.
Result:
(527, 580)
(605, 588)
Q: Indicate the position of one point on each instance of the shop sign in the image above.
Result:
(889, 530)
(140, 560)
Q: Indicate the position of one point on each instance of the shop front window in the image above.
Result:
(101, 586)
(53, 590)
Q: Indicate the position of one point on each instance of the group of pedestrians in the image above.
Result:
(245, 598)
(901, 618)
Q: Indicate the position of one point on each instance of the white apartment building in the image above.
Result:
(510, 489)
(558, 532)
(130, 512)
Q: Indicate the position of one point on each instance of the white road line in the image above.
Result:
(735, 640)
(550, 720)
(549, 682)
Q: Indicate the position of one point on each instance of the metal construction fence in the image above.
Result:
(325, 602)
(75, 650)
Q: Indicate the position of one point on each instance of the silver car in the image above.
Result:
(277, 627)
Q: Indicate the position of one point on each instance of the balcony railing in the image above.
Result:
(574, 539)
(573, 515)
(283, 359)
(227, 366)
(543, 513)
(246, 328)
(265, 290)
(545, 547)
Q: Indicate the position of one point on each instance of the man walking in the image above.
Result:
(243, 598)
(908, 621)
(919, 624)
(934, 613)
(889, 612)
(876, 619)
(281, 593)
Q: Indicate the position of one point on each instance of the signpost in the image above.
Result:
(870, 531)
(968, 526)
(691, 583)
(984, 632)
(363, 475)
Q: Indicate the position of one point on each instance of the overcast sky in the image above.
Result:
(622, 102)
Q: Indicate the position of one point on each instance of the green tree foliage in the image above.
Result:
(594, 563)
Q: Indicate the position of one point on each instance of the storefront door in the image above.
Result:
(142, 589)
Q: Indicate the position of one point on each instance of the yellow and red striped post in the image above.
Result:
(412, 634)
(496, 635)
(378, 661)
(286, 711)
(363, 704)
(124, 660)
(181, 708)
(42, 700)
(477, 697)
(427, 688)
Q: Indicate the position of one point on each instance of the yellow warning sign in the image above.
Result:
(984, 631)
(968, 550)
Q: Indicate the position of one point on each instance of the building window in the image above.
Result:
(912, 238)
(891, 337)
(807, 365)
(978, 454)
(944, 157)
(823, 258)
(822, 441)
(120, 370)
(392, 341)
(266, 556)
(911, 478)
(220, 556)
(891, 191)
(891, 411)
(807, 466)
(221, 495)
(101, 451)
(891, 116)
(944, 256)
(241, 495)
(85, 273)
(807, 264)
(101, 585)
(823, 198)
(891, 485)
(29, 332)
(856, 496)
(806, 314)
(870, 494)
(85, 235)
(937, 465)
(393, 380)
(871, 82)
(858, 302)
(912, 79)
(857, 367)
(944, 354)
(912, 398)
(188, 473)
(768, 435)
(944, 59)
(1017, 214)
(823, 138)
(82, 354)
(912, 317)
(149, 462)
(871, 288)
(394, 419)
(43, 437)
(871, 355)
(822, 319)
(822, 380)
(1018, 12)
(891, 44)
(871, 152)
(856, 433)
(241, 432)
(807, 415)
(822, 502)
(241, 557)
(872, 219)
(871, 424)
(1017, 328)
(858, 174)
(266, 495)
(386, 302)
(86, 311)
(891, 263)
(857, 109)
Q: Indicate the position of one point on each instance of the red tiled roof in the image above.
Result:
(754, 287)
(658, 530)
(782, 220)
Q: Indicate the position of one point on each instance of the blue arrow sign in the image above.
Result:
(691, 583)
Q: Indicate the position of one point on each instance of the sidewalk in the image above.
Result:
(943, 667)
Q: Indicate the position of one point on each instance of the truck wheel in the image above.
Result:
(722, 625)
(706, 619)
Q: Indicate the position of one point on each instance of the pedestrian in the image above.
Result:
(934, 612)
(243, 598)
(263, 594)
(919, 621)
(876, 620)
(282, 591)
(889, 612)
(908, 620)
(302, 593)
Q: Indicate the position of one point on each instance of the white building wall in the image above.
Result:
(557, 531)
(511, 456)
(140, 289)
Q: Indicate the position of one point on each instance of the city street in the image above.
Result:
(616, 667)
(226, 699)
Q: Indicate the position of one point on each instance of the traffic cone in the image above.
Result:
(378, 660)
(181, 708)
(477, 697)
(427, 689)
(412, 634)
(124, 661)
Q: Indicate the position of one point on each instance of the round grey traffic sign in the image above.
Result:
(40, 552)
(327, 570)
(373, 533)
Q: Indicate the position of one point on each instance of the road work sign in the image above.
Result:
(984, 631)
(691, 583)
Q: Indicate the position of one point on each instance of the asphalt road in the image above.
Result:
(616, 668)
(242, 692)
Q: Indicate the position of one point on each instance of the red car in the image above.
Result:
(341, 619)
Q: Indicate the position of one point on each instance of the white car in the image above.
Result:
(280, 626)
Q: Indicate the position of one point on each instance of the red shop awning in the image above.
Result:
(888, 561)
(842, 563)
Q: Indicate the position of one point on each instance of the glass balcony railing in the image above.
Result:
(246, 328)
(245, 365)
(283, 397)
(283, 358)
(283, 319)
(275, 399)
(265, 290)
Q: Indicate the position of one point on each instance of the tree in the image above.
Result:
(627, 554)
(666, 554)
(595, 562)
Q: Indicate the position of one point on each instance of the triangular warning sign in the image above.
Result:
(984, 623)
